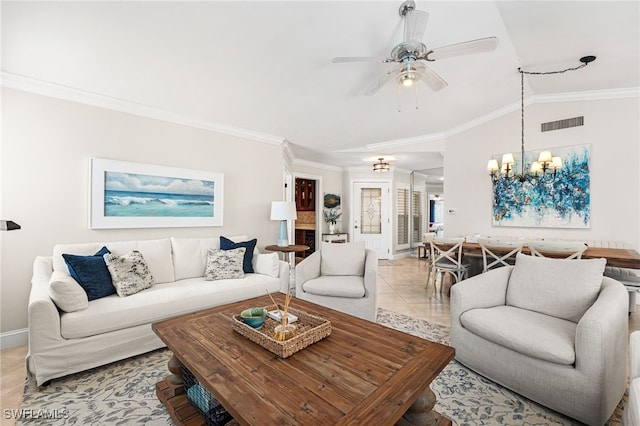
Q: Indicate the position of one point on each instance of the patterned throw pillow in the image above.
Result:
(130, 272)
(224, 264)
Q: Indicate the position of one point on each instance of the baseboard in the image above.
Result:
(13, 338)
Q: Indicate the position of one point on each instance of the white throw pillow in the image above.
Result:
(342, 258)
(224, 264)
(563, 288)
(267, 264)
(130, 273)
(66, 293)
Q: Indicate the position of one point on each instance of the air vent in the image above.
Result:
(562, 124)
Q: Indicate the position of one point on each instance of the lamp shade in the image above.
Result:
(492, 165)
(283, 210)
(556, 163)
(508, 159)
(545, 157)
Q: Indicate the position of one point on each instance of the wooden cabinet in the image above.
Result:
(305, 194)
(306, 237)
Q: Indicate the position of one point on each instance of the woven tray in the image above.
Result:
(309, 329)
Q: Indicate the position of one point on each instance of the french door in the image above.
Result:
(371, 220)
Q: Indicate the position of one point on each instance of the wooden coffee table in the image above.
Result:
(363, 373)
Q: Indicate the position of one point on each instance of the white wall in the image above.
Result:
(46, 146)
(612, 129)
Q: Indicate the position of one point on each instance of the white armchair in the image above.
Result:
(340, 277)
(632, 410)
(553, 330)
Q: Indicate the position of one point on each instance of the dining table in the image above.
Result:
(618, 257)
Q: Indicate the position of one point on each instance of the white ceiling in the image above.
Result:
(266, 66)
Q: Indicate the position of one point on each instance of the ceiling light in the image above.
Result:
(381, 166)
(407, 80)
(546, 161)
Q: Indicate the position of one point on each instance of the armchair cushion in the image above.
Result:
(342, 259)
(561, 288)
(516, 329)
(345, 286)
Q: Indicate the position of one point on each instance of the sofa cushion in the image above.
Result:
(530, 333)
(224, 264)
(160, 302)
(250, 246)
(342, 259)
(130, 272)
(157, 254)
(91, 273)
(66, 293)
(190, 255)
(562, 288)
(343, 286)
(267, 263)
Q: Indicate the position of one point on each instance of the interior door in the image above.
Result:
(371, 222)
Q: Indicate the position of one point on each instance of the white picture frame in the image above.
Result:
(138, 195)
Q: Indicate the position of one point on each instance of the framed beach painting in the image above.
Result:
(136, 195)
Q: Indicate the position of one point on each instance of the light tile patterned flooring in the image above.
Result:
(401, 288)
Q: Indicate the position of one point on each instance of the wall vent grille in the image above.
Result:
(562, 124)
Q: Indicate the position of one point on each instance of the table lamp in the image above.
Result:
(283, 211)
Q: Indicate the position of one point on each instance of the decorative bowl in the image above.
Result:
(254, 317)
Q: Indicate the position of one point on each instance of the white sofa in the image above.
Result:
(113, 327)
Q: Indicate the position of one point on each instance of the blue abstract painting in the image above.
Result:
(545, 200)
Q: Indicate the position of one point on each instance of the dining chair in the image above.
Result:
(446, 258)
(426, 237)
(562, 249)
(497, 252)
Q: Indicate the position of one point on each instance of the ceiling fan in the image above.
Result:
(410, 54)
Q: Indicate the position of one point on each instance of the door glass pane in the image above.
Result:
(370, 203)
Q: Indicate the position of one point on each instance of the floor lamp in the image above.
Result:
(8, 225)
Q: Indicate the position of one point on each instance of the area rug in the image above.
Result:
(123, 393)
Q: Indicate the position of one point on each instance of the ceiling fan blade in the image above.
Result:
(381, 81)
(343, 59)
(474, 46)
(414, 25)
(431, 79)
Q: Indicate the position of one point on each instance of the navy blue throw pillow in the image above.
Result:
(91, 273)
(250, 246)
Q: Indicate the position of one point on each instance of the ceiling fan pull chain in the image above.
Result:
(399, 100)
(416, 87)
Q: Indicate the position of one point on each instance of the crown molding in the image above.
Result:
(592, 95)
(322, 166)
(45, 88)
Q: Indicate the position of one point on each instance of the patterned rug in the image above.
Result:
(123, 393)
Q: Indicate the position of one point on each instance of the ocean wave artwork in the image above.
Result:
(546, 201)
(138, 195)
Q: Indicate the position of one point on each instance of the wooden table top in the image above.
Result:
(363, 373)
(292, 248)
(622, 258)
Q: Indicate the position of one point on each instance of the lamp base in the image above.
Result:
(283, 239)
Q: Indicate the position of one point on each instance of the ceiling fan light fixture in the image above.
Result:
(407, 80)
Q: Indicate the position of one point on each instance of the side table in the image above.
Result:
(290, 250)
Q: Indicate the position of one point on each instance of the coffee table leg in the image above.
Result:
(175, 367)
(421, 412)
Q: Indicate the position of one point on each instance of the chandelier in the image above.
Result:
(546, 161)
(381, 166)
